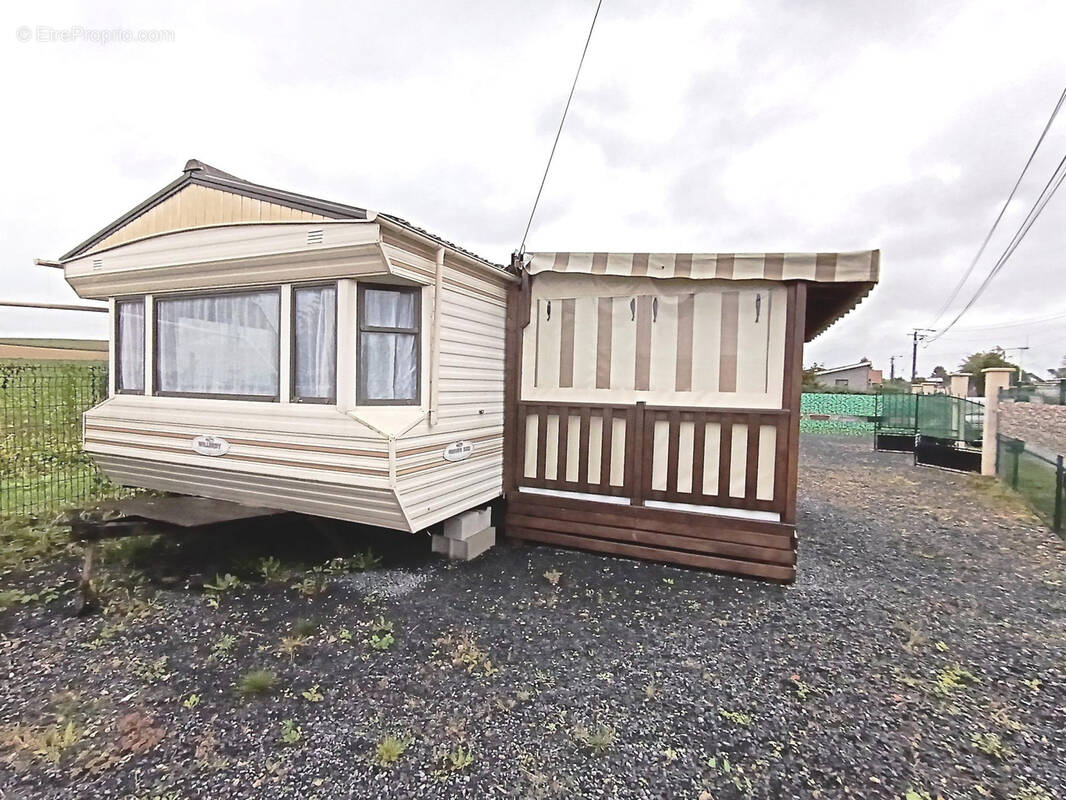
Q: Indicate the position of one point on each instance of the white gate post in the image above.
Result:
(996, 378)
(960, 384)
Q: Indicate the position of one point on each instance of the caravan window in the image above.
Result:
(129, 346)
(218, 345)
(314, 344)
(389, 348)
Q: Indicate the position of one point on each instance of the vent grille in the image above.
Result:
(98, 264)
(315, 237)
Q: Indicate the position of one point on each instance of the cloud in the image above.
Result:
(716, 126)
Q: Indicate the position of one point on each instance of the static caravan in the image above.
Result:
(653, 403)
(287, 352)
(282, 351)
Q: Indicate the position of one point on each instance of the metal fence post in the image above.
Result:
(1060, 487)
(1014, 467)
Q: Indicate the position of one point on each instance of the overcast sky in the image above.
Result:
(704, 126)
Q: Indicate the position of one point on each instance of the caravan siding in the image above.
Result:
(312, 456)
(470, 404)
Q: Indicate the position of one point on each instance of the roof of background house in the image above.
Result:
(199, 173)
(846, 367)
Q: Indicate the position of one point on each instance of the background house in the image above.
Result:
(861, 377)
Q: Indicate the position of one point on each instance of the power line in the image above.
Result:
(1002, 211)
(1042, 200)
(558, 133)
(1017, 324)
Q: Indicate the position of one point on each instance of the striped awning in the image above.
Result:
(861, 266)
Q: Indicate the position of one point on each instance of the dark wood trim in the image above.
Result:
(793, 388)
(514, 419)
(751, 459)
(783, 574)
(700, 544)
(747, 547)
(294, 288)
(640, 453)
(665, 519)
(157, 299)
(360, 374)
(119, 389)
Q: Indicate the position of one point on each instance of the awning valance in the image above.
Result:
(855, 267)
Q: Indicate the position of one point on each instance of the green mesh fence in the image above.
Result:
(1040, 479)
(846, 414)
(896, 413)
(42, 465)
(953, 419)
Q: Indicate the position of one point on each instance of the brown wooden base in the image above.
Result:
(740, 546)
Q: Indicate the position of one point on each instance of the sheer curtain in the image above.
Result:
(129, 345)
(315, 332)
(225, 344)
(388, 345)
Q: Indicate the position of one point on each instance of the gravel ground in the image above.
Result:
(919, 654)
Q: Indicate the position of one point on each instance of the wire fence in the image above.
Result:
(1039, 478)
(42, 465)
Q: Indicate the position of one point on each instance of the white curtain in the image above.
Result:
(129, 344)
(223, 344)
(315, 357)
(389, 359)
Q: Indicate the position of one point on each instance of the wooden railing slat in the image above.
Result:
(725, 455)
(583, 446)
(673, 446)
(699, 445)
(751, 465)
(606, 441)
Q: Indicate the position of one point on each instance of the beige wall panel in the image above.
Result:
(623, 344)
(595, 447)
(685, 455)
(712, 445)
(753, 342)
(767, 456)
(551, 448)
(549, 329)
(660, 443)
(532, 425)
(585, 318)
(706, 338)
(618, 452)
(738, 460)
(664, 346)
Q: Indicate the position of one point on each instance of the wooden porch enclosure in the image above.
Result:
(705, 487)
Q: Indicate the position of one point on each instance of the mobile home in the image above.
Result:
(283, 351)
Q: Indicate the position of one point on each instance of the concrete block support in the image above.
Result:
(466, 536)
(996, 378)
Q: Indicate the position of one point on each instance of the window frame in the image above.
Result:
(293, 289)
(259, 398)
(119, 302)
(360, 375)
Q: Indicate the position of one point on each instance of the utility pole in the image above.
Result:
(892, 367)
(917, 335)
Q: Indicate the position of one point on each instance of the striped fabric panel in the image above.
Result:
(859, 266)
